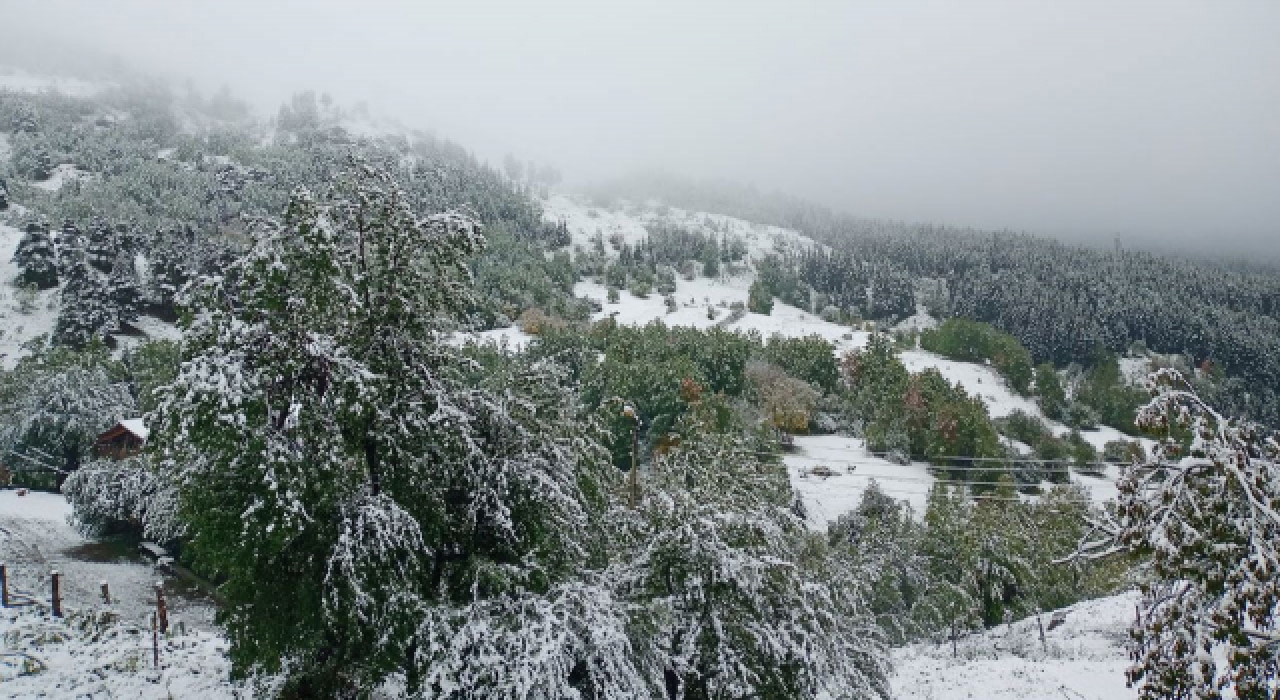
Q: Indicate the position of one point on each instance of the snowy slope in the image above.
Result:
(17, 327)
(825, 497)
(19, 80)
(1083, 659)
(828, 496)
(851, 469)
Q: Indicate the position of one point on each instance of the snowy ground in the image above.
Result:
(16, 326)
(87, 654)
(827, 496)
(1083, 659)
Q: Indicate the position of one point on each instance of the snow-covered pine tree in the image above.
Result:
(170, 265)
(100, 249)
(1207, 521)
(951, 604)
(123, 289)
(760, 298)
(87, 310)
(731, 596)
(71, 245)
(36, 257)
(4, 195)
(882, 539)
(329, 450)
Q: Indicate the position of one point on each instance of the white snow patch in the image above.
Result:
(919, 321)
(36, 505)
(827, 497)
(1134, 370)
(1084, 658)
(155, 329)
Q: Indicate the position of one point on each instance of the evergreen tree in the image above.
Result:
(328, 450)
(100, 249)
(87, 310)
(123, 289)
(759, 298)
(882, 537)
(36, 258)
(952, 603)
(733, 597)
(4, 195)
(1050, 393)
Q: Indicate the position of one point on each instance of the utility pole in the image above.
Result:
(630, 412)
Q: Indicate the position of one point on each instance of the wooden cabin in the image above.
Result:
(124, 439)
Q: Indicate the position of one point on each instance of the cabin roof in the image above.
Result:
(133, 426)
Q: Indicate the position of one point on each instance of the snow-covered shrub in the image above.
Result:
(124, 496)
(730, 595)
(1205, 519)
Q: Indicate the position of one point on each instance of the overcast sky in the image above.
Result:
(1084, 119)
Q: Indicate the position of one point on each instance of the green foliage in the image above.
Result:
(151, 365)
(921, 415)
(731, 597)
(995, 559)
(1105, 392)
(330, 452)
(759, 298)
(973, 341)
(811, 358)
(1050, 394)
(876, 382)
(54, 404)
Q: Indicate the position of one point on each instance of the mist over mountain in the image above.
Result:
(1153, 121)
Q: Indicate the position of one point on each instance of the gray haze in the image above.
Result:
(1159, 121)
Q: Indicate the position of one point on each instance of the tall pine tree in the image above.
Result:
(36, 257)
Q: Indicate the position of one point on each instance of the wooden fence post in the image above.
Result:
(4, 586)
(56, 593)
(106, 592)
(162, 609)
(155, 642)
(1043, 643)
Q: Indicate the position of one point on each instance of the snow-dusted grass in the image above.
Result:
(1083, 659)
(98, 650)
(91, 654)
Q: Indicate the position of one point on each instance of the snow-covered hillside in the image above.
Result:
(19, 80)
(826, 497)
(1083, 658)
